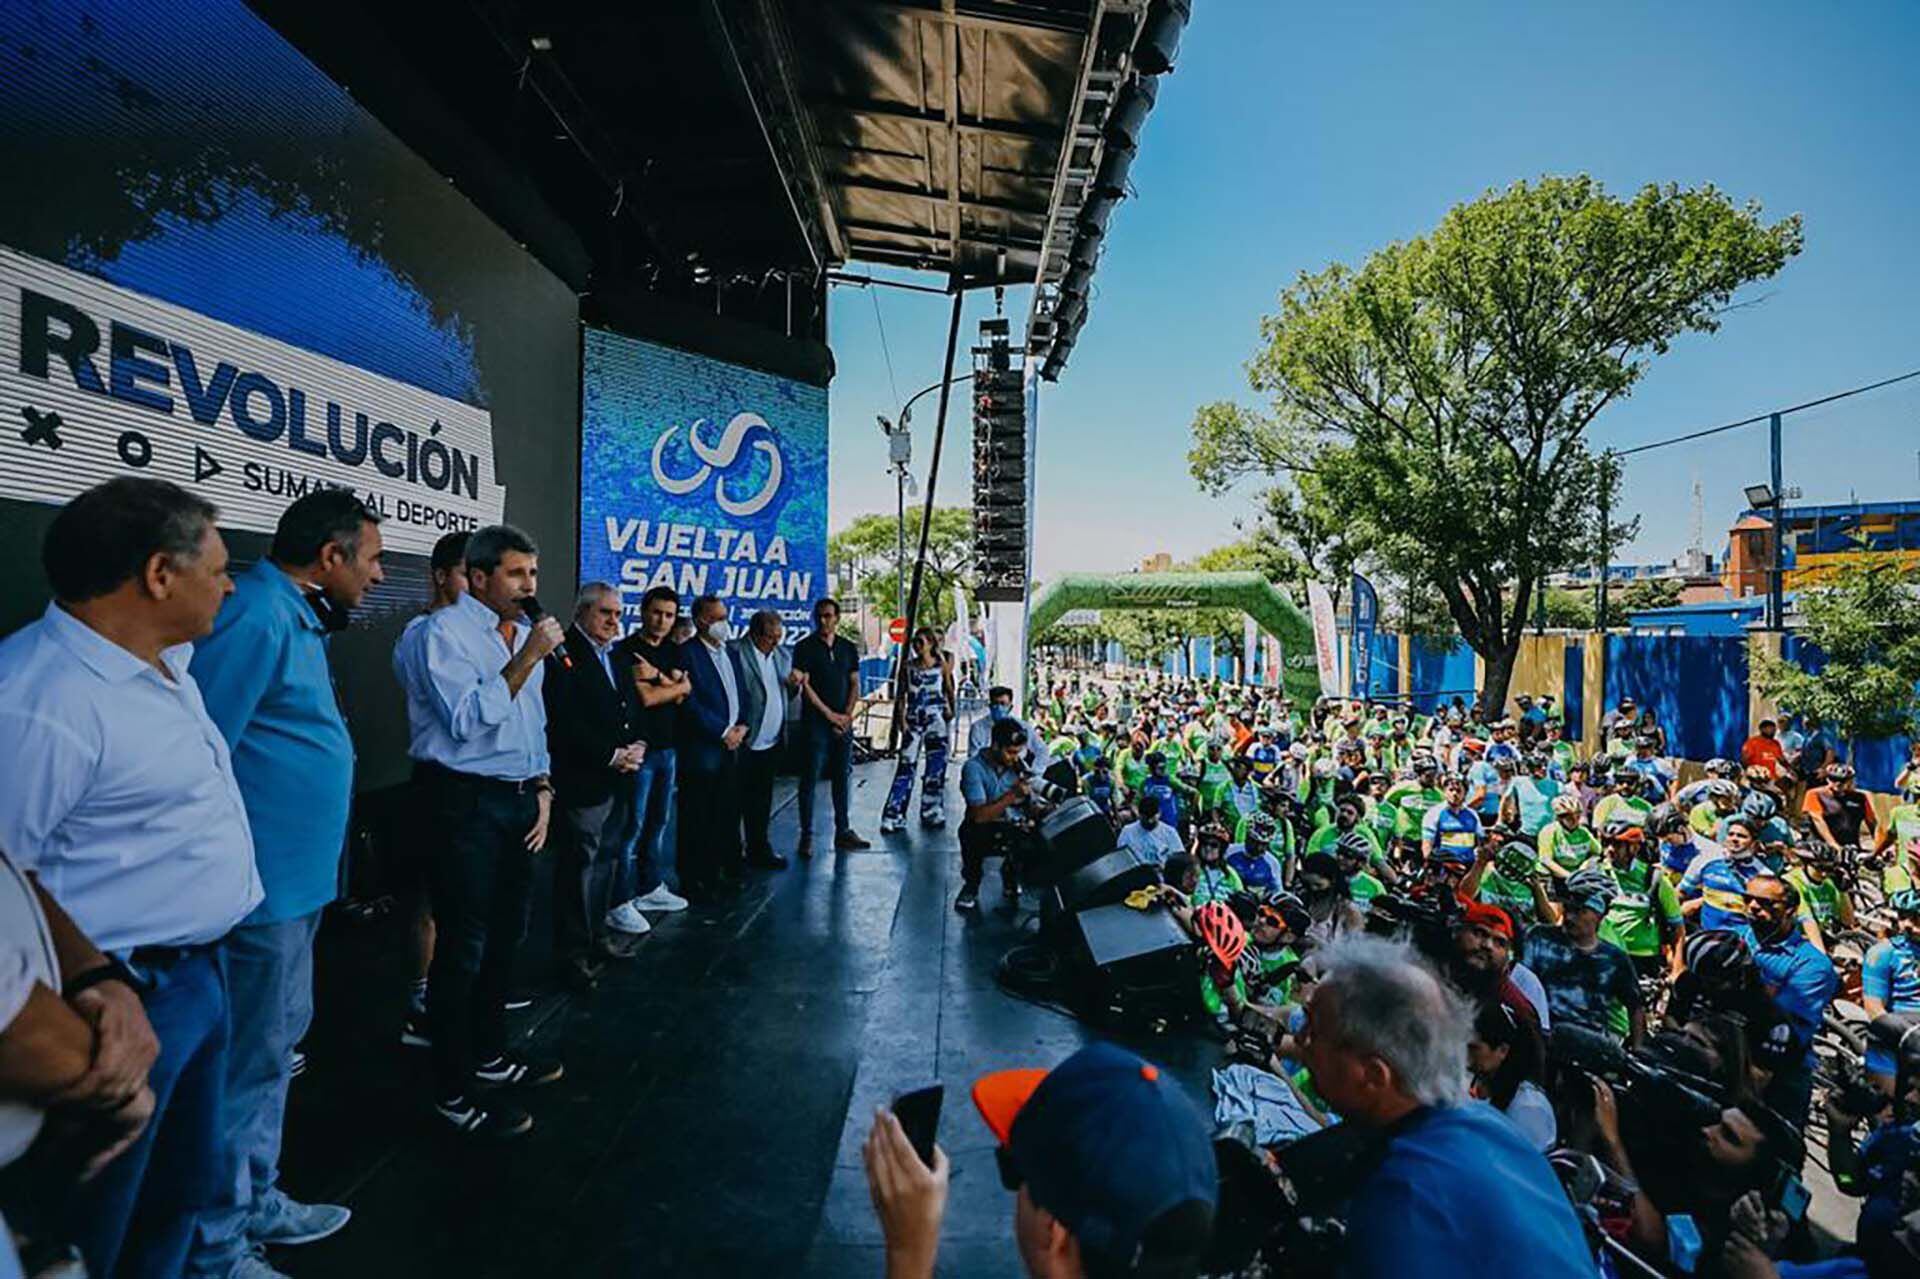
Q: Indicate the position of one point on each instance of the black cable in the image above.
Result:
(1750, 421)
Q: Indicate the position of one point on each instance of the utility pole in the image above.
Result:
(1776, 582)
(1606, 553)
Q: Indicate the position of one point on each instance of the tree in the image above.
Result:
(869, 544)
(1865, 620)
(1439, 395)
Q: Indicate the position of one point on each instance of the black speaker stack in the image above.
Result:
(999, 467)
(1122, 965)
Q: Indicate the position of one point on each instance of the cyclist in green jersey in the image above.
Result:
(1825, 907)
(1214, 881)
(1623, 787)
(1644, 919)
(1411, 799)
(1901, 834)
(1721, 800)
(1528, 801)
(1215, 782)
(1355, 853)
(1382, 817)
(1348, 811)
(1565, 843)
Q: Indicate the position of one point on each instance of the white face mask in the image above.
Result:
(717, 631)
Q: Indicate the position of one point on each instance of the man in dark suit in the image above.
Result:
(592, 735)
(713, 729)
(767, 694)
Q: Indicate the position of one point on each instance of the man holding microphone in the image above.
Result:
(483, 753)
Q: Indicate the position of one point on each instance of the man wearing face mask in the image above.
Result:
(999, 708)
(713, 731)
(1150, 838)
(264, 676)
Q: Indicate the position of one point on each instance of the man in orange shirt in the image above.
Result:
(1763, 750)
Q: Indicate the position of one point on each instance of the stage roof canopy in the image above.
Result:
(733, 152)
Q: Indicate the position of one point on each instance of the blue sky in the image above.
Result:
(1292, 135)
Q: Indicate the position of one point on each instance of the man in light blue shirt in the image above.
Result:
(267, 685)
(120, 797)
(483, 753)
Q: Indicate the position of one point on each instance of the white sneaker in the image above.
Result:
(626, 918)
(661, 898)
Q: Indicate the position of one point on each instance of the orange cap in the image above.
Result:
(999, 1096)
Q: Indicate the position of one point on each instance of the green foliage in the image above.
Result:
(870, 545)
(1436, 399)
(1865, 619)
(1573, 609)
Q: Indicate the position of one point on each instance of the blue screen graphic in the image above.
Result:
(702, 476)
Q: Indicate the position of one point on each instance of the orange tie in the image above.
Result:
(507, 635)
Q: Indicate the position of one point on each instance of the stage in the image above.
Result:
(718, 1085)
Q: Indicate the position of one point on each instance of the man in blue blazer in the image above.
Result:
(713, 729)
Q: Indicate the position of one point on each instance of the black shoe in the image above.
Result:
(413, 1031)
(497, 1123)
(768, 860)
(580, 974)
(969, 899)
(804, 850)
(848, 842)
(509, 1070)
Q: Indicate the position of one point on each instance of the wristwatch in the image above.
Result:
(112, 970)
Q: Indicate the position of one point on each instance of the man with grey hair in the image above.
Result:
(1457, 1191)
(768, 696)
(593, 739)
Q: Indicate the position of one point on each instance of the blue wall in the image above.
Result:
(1438, 672)
(1698, 687)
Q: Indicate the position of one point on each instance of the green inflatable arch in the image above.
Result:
(1249, 592)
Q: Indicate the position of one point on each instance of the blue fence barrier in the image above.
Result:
(1877, 763)
(1697, 685)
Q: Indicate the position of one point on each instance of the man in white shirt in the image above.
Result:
(767, 704)
(1150, 838)
(121, 799)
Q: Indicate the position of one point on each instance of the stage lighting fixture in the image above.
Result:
(1111, 180)
(1159, 38)
(1086, 248)
(1068, 314)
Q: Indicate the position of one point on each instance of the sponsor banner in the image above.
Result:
(1079, 617)
(1366, 614)
(98, 381)
(1326, 639)
(701, 476)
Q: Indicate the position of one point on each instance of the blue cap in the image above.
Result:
(1112, 1148)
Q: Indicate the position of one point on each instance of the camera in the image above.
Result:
(1043, 790)
(1286, 1213)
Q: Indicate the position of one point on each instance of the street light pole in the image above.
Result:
(1776, 588)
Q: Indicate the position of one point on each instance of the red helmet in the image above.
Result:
(1222, 932)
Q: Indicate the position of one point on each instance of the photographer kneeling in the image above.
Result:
(995, 785)
(1386, 1043)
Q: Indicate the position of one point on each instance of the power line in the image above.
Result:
(882, 325)
(1750, 421)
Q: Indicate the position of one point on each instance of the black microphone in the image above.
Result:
(531, 607)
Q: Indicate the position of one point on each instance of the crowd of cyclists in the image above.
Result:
(1738, 930)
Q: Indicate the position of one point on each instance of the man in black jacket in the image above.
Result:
(592, 714)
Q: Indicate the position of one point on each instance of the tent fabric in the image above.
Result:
(1249, 592)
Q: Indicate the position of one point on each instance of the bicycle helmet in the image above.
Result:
(1719, 957)
(1355, 845)
(1623, 777)
(1905, 902)
(1759, 806)
(1564, 804)
(1262, 826)
(1221, 932)
(1664, 820)
(1425, 763)
(1589, 886)
(1244, 904)
(1839, 772)
(1721, 788)
(1722, 768)
(1623, 828)
(1516, 861)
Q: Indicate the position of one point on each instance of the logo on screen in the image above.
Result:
(717, 459)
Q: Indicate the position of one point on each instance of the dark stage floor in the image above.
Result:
(718, 1086)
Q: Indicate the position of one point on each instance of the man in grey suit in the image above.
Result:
(767, 702)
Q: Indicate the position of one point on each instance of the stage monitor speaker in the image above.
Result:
(1104, 881)
(1073, 834)
(1136, 966)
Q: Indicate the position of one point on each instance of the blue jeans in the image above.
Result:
(648, 861)
(823, 750)
(136, 1219)
(270, 992)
